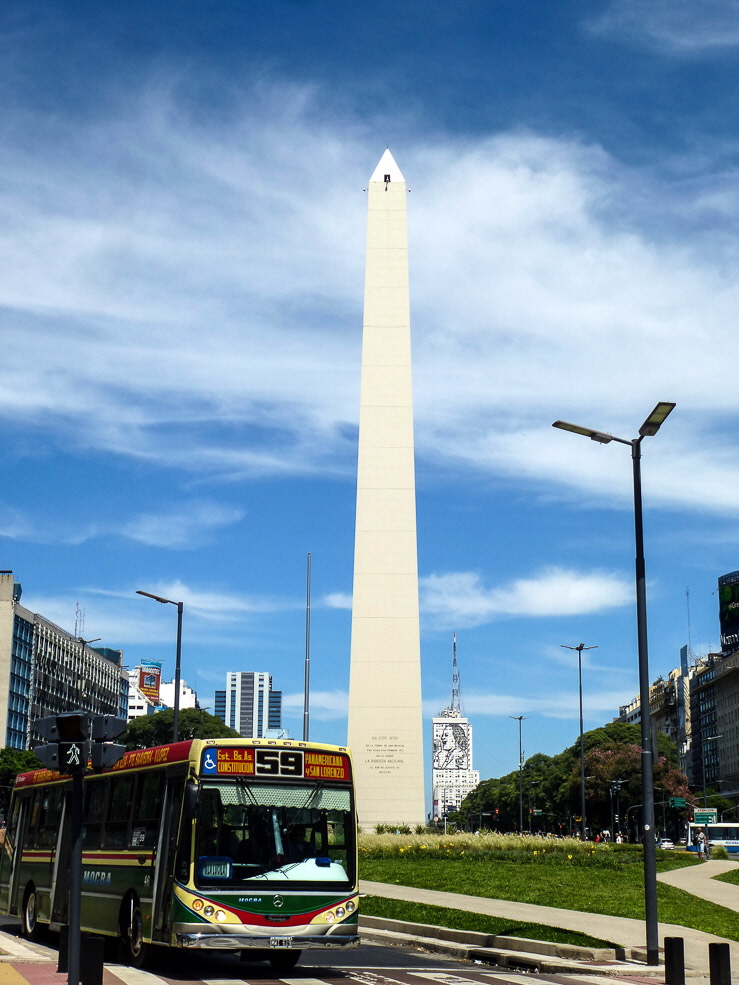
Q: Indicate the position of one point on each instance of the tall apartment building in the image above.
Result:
(249, 705)
(698, 704)
(45, 670)
(452, 776)
(714, 701)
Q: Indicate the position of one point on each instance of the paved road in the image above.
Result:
(366, 965)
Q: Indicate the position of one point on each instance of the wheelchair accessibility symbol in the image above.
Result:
(209, 762)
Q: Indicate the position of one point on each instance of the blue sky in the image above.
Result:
(181, 276)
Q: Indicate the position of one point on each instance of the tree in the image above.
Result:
(13, 762)
(551, 784)
(156, 730)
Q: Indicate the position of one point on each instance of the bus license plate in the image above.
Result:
(280, 942)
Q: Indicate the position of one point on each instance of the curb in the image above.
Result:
(505, 952)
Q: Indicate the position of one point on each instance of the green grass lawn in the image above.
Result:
(732, 877)
(595, 879)
(439, 916)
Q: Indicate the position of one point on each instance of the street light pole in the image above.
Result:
(580, 647)
(650, 427)
(178, 659)
(519, 719)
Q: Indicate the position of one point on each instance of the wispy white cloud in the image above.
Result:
(338, 600)
(678, 26)
(214, 284)
(555, 702)
(122, 618)
(324, 705)
(180, 528)
(216, 606)
(461, 599)
(184, 526)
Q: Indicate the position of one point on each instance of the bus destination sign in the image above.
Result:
(273, 761)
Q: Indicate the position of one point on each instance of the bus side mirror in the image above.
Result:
(191, 798)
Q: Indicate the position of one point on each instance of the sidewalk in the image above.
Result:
(622, 931)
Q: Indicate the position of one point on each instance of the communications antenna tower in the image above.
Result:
(456, 706)
(79, 621)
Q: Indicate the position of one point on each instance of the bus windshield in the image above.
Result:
(251, 832)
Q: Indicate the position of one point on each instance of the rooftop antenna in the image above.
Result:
(79, 621)
(456, 705)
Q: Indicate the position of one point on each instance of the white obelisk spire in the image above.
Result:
(385, 723)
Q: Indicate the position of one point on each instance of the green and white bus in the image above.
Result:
(241, 844)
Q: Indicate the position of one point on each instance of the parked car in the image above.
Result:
(665, 843)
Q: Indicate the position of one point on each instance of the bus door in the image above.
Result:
(166, 853)
(16, 835)
(60, 883)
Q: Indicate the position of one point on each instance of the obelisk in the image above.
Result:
(385, 723)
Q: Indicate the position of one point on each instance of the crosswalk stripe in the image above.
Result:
(303, 981)
(133, 976)
(444, 978)
(223, 981)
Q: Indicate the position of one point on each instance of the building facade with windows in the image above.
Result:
(44, 670)
(249, 705)
(698, 704)
(452, 775)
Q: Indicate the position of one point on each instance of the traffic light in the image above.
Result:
(67, 749)
(104, 752)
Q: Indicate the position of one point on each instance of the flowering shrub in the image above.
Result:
(468, 847)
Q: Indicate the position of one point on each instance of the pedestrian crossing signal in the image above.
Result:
(68, 749)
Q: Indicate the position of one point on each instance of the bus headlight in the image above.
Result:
(209, 910)
(197, 904)
(350, 907)
(330, 916)
(220, 915)
(340, 911)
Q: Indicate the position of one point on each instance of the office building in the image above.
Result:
(249, 705)
(452, 775)
(44, 670)
(698, 704)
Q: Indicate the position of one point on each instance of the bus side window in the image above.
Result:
(94, 814)
(147, 810)
(119, 809)
(12, 826)
(32, 836)
(48, 818)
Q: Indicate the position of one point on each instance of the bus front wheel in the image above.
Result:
(30, 914)
(132, 946)
(283, 961)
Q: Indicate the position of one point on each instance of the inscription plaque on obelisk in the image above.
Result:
(385, 723)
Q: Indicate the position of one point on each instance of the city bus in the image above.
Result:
(717, 833)
(241, 844)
